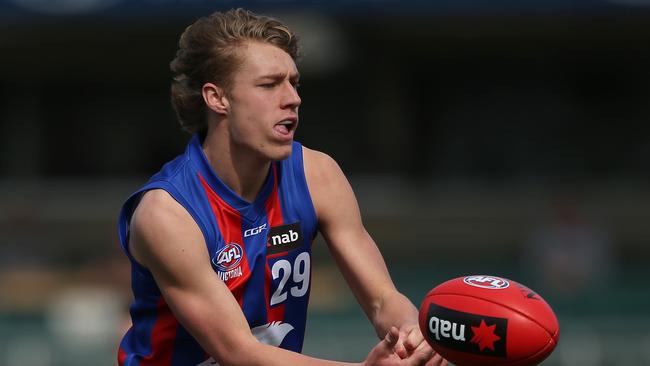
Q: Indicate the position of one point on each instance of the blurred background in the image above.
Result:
(507, 138)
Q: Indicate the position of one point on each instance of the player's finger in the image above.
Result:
(401, 351)
(437, 360)
(432, 358)
(419, 359)
(392, 337)
(413, 339)
(421, 355)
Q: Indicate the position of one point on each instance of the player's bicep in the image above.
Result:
(165, 239)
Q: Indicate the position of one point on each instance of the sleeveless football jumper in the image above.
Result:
(261, 250)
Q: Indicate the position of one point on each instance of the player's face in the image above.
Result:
(263, 113)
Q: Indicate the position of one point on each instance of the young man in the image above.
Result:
(220, 238)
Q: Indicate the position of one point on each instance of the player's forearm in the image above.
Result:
(265, 355)
(238, 346)
(394, 309)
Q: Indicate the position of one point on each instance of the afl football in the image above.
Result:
(488, 321)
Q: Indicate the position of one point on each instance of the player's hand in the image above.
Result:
(384, 353)
(411, 341)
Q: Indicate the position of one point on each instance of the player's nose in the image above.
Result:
(291, 99)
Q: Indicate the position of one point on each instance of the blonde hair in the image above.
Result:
(207, 53)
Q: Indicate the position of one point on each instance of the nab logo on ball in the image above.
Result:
(488, 282)
(228, 257)
(466, 332)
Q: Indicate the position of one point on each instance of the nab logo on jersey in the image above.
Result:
(228, 257)
(284, 238)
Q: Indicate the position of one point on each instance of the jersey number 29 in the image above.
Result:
(299, 273)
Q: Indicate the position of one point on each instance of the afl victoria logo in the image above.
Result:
(228, 257)
(488, 282)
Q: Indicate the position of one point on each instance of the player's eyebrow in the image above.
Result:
(280, 76)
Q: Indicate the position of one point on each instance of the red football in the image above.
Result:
(487, 320)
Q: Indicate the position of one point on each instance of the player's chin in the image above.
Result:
(280, 151)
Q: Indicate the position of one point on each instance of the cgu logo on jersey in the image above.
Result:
(284, 238)
(467, 332)
(227, 260)
(254, 231)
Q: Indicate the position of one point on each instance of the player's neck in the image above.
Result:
(244, 173)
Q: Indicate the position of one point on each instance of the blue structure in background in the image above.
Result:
(124, 10)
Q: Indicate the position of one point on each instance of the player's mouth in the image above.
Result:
(286, 127)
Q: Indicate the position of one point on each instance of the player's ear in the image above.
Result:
(215, 98)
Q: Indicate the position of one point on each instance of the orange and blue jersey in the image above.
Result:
(261, 250)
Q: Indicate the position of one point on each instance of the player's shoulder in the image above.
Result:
(315, 155)
(157, 210)
(319, 165)
(158, 226)
(324, 176)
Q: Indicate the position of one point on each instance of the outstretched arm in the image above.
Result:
(357, 255)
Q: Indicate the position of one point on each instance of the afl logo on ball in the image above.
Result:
(488, 282)
(227, 257)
